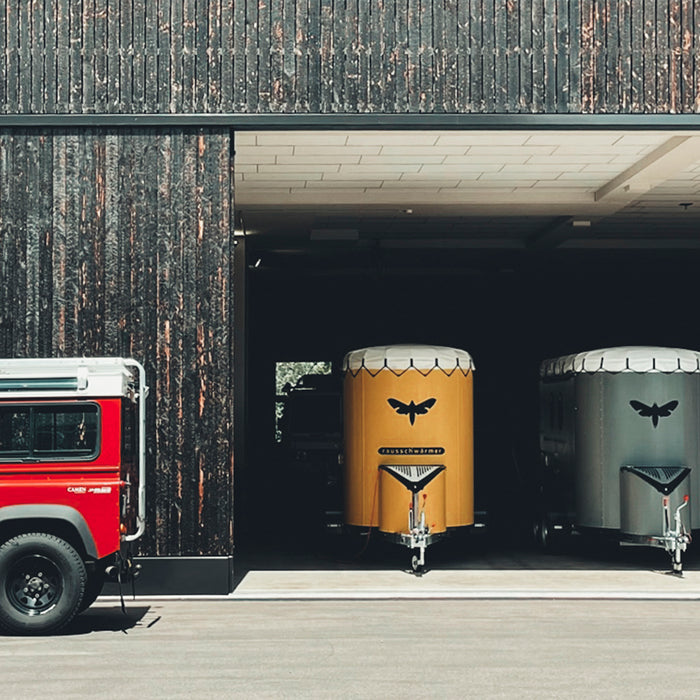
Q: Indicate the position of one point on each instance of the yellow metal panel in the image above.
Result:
(409, 417)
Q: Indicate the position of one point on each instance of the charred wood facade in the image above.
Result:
(350, 56)
(120, 244)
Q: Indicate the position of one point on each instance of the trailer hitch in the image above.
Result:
(676, 539)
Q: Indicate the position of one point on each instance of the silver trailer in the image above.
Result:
(620, 442)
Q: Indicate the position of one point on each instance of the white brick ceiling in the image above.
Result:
(292, 180)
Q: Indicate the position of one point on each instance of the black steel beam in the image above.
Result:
(321, 122)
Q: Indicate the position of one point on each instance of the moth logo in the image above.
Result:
(654, 412)
(411, 409)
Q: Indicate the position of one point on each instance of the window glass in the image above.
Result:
(294, 383)
(49, 432)
(14, 431)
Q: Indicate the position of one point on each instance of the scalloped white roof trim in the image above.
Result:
(403, 357)
(640, 359)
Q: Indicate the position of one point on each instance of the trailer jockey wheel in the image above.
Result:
(42, 582)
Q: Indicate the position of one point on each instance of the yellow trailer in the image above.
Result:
(409, 442)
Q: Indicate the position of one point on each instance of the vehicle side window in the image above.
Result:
(14, 431)
(49, 431)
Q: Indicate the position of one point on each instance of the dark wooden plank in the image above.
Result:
(525, 58)
(351, 58)
(450, 57)
(413, 56)
(301, 50)
(688, 29)
(513, 55)
(313, 40)
(138, 34)
(625, 56)
(675, 49)
(44, 205)
(402, 66)
(114, 283)
(114, 70)
(600, 83)
(587, 55)
(663, 58)
(327, 74)
(24, 50)
(550, 56)
(338, 56)
(203, 59)
(12, 52)
(612, 54)
(488, 76)
(97, 28)
(636, 88)
(151, 98)
(289, 58)
(538, 56)
(563, 55)
(362, 51)
(73, 49)
(438, 49)
(649, 49)
(21, 307)
(277, 87)
(376, 47)
(38, 54)
(574, 97)
(189, 56)
(162, 71)
(500, 56)
(695, 47)
(88, 58)
(4, 104)
(189, 216)
(464, 78)
(227, 56)
(126, 51)
(32, 247)
(476, 58)
(262, 71)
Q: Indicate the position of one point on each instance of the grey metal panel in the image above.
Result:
(610, 433)
(641, 505)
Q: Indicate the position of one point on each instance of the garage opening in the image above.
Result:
(511, 280)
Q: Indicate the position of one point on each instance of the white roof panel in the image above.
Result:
(66, 377)
(403, 357)
(639, 359)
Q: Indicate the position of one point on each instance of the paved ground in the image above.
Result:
(364, 649)
(496, 623)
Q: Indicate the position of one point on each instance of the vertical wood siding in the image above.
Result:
(324, 56)
(118, 243)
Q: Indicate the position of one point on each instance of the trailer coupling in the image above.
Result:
(415, 477)
(676, 538)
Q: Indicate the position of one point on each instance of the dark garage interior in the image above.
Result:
(510, 309)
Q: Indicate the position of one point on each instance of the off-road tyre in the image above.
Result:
(42, 583)
(93, 587)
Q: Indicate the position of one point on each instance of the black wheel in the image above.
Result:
(542, 533)
(42, 582)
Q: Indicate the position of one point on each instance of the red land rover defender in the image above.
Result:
(72, 484)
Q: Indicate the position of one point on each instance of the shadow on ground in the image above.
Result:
(107, 619)
(473, 550)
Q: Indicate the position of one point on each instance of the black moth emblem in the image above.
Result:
(654, 412)
(411, 409)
